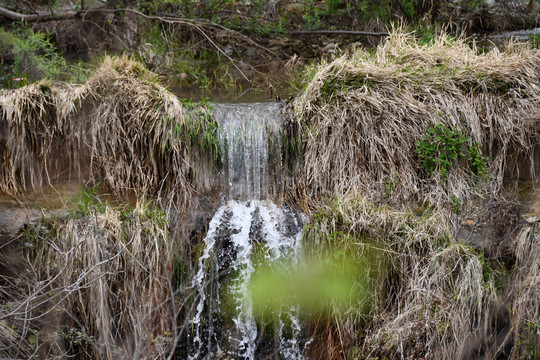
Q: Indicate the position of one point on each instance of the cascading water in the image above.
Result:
(247, 230)
(250, 137)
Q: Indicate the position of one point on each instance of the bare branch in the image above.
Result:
(339, 32)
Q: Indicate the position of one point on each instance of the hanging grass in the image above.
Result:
(436, 122)
(100, 285)
(439, 123)
(121, 127)
(525, 324)
(427, 293)
(29, 139)
(363, 115)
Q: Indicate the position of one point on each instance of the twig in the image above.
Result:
(339, 32)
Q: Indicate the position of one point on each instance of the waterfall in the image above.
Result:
(250, 137)
(247, 230)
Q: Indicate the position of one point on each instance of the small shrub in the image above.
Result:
(29, 55)
(442, 147)
(32, 53)
(456, 204)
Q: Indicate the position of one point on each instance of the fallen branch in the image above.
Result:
(340, 32)
(11, 15)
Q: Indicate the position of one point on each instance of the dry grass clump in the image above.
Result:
(143, 139)
(29, 120)
(363, 121)
(443, 302)
(97, 287)
(525, 322)
(100, 286)
(362, 113)
(121, 127)
(428, 295)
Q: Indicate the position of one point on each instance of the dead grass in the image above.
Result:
(121, 128)
(525, 324)
(428, 296)
(361, 114)
(29, 119)
(359, 120)
(442, 303)
(99, 286)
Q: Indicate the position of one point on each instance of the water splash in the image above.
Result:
(240, 232)
(247, 230)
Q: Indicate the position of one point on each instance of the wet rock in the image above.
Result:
(295, 8)
(494, 228)
(226, 252)
(251, 52)
(292, 223)
(13, 220)
(474, 232)
(330, 48)
(256, 230)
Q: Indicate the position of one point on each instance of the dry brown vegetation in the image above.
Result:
(359, 171)
(526, 292)
(121, 127)
(95, 287)
(108, 273)
(429, 294)
(100, 285)
(361, 114)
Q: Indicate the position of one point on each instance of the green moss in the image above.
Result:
(201, 127)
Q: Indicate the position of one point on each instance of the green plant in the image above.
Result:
(456, 204)
(90, 201)
(390, 185)
(332, 6)
(478, 161)
(34, 55)
(426, 34)
(534, 40)
(30, 55)
(313, 16)
(409, 7)
(442, 147)
(531, 330)
(201, 126)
